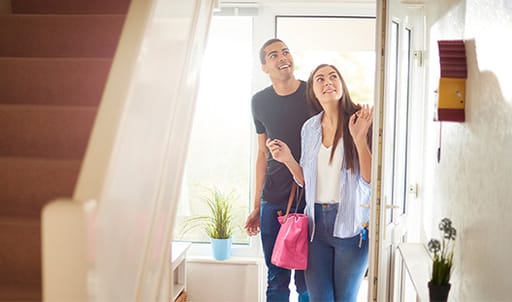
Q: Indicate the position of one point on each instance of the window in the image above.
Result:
(345, 42)
(219, 154)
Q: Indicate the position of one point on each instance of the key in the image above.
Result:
(363, 235)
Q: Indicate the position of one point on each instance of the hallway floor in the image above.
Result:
(362, 297)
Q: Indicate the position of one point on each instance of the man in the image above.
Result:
(278, 112)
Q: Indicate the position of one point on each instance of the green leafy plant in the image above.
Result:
(443, 253)
(219, 223)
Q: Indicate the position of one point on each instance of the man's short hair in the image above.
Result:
(263, 59)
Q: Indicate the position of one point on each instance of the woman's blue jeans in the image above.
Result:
(335, 266)
(278, 279)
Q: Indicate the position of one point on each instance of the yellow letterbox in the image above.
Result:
(452, 84)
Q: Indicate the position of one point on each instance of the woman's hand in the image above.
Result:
(360, 123)
(279, 150)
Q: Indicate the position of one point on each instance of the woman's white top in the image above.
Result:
(329, 174)
(353, 190)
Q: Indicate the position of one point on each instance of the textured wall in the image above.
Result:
(472, 184)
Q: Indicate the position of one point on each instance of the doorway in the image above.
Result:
(354, 52)
(348, 42)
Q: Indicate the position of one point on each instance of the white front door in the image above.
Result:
(393, 193)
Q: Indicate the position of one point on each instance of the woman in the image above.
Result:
(335, 170)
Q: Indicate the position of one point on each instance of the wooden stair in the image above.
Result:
(55, 56)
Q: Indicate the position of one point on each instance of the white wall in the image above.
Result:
(472, 183)
(232, 280)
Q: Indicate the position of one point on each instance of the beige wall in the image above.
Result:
(472, 184)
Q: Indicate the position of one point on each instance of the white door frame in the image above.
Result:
(385, 274)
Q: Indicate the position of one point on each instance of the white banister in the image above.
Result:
(67, 231)
(134, 162)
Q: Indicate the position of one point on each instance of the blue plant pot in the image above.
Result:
(221, 248)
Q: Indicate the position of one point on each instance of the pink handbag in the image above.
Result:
(291, 246)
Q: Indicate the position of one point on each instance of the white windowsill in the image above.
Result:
(417, 262)
(251, 250)
(233, 260)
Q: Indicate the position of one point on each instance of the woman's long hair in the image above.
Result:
(346, 109)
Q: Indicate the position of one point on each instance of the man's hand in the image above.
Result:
(252, 225)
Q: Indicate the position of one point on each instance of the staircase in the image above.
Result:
(55, 56)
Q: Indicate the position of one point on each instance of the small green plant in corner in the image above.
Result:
(443, 253)
(219, 222)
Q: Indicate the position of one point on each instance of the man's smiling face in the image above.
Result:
(278, 61)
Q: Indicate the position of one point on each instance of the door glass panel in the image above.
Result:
(404, 125)
(390, 122)
(401, 123)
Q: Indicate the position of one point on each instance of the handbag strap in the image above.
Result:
(290, 201)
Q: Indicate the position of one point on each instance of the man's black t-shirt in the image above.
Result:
(280, 117)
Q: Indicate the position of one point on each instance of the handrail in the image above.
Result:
(134, 163)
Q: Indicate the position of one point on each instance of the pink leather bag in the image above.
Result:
(291, 246)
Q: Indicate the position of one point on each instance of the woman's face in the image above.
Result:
(327, 86)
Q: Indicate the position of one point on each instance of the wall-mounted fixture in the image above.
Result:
(452, 84)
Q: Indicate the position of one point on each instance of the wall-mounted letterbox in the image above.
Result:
(451, 95)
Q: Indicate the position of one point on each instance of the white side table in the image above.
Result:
(178, 266)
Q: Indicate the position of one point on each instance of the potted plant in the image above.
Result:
(439, 285)
(218, 223)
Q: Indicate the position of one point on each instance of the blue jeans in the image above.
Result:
(335, 266)
(278, 279)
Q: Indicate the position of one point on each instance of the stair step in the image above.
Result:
(28, 184)
(50, 81)
(45, 131)
(70, 6)
(59, 35)
(20, 257)
(20, 292)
